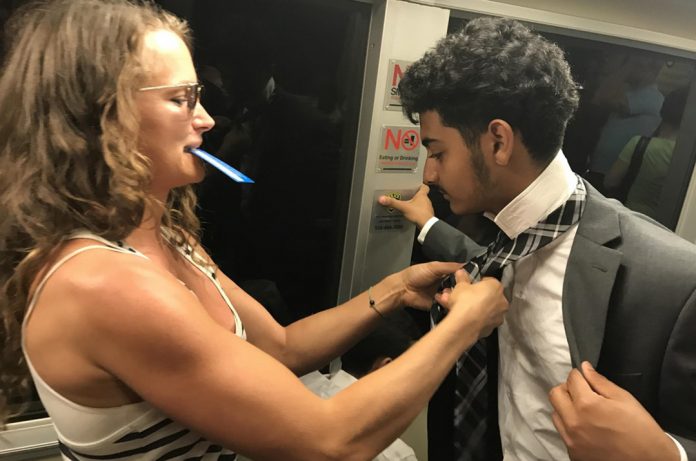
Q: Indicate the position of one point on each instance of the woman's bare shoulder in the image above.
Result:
(101, 278)
(119, 313)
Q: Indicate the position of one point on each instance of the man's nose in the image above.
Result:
(430, 172)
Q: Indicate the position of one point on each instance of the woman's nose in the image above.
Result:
(202, 120)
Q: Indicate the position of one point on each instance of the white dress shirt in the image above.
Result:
(534, 352)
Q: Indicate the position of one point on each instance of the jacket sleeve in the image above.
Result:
(678, 382)
(446, 243)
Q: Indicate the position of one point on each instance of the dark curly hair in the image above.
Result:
(495, 68)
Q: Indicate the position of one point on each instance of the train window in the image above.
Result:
(283, 81)
(627, 129)
(31, 408)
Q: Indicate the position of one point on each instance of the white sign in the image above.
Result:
(392, 98)
(399, 149)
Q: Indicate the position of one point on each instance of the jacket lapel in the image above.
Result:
(589, 278)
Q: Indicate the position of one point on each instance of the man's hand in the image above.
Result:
(417, 210)
(600, 421)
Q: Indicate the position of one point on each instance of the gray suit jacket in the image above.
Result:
(629, 306)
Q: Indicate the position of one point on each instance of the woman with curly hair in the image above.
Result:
(139, 347)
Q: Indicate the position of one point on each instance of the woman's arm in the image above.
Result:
(157, 339)
(312, 342)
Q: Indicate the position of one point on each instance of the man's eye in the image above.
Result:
(179, 101)
(435, 155)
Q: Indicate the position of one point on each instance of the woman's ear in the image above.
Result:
(501, 138)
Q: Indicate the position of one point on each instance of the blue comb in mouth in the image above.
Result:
(233, 173)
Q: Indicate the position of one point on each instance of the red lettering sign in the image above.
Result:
(410, 140)
(396, 76)
(406, 140)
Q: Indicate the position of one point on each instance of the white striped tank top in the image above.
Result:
(136, 431)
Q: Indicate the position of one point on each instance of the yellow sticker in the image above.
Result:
(395, 195)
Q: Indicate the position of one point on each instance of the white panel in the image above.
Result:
(28, 439)
(673, 17)
(585, 16)
(399, 31)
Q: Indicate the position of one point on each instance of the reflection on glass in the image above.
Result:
(628, 97)
(282, 81)
(639, 174)
(628, 94)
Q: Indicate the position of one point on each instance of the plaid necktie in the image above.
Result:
(471, 399)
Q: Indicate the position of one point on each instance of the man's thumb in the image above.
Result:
(599, 383)
(384, 200)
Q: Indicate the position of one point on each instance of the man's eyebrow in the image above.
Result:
(426, 141)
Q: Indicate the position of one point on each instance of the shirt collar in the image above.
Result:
(546, 193)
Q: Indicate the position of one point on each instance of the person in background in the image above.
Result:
(630, 96)
(645, 189)
(139, 346)
(594, 287)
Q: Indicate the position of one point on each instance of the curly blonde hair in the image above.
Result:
(68, 147)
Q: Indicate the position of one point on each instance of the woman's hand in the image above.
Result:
(420, 282)
(484, 301)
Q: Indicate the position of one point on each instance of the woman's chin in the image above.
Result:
(198, 177)
(193, 177)
(199, 171)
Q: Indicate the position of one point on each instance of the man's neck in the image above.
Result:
(516, 177)
(542, 195)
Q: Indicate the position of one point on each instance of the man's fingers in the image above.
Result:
(560, 427)
(561, 402)
(423, 190)
(385, 200)
(599, 383)
(578, 385)
(392, 202)
(400, 205)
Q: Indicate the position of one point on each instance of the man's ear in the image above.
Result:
(379, 363)
(500, 139)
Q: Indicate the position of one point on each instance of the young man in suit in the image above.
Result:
(589, 281)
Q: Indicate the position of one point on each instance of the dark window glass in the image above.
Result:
(283, 82)
(32, 408)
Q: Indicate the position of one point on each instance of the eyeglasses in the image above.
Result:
(193, 92)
